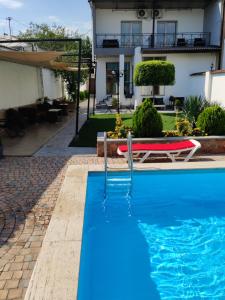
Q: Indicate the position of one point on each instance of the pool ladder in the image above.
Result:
(118, 182)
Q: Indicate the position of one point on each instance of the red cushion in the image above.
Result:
(159, 147)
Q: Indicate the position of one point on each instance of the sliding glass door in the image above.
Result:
(131, 33)
(166, 33)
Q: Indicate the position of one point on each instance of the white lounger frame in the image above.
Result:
(173, 154)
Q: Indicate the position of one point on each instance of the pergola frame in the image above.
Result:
(79, 63)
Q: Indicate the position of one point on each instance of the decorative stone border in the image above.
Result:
(210, 144)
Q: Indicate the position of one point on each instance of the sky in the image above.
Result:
(73, 14)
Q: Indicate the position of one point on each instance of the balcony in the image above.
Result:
(180, 41)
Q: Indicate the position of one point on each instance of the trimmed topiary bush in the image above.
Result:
(147, 122)
(212, 120)
(154, 72)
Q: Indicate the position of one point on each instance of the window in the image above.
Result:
(111, 81)
(166, 33)
(131, 33)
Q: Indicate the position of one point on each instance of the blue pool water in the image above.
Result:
(165, 242)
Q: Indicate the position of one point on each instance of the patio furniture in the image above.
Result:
(171, 150)
(54, 115)
(181, 42)
(106, 103)
(110, 43)
(172, 100)
(14, 123)
(199, 42)
(159, 103)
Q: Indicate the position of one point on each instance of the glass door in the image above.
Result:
(166, 33)
(131, 33)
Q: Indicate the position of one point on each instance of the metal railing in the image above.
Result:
(129, 161)
(158, 40)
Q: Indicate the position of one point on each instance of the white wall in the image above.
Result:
(218, 88)
(213, 20)
(19, 85)
(109, 21)
(185, 65)
(52, 85)
(22, 85)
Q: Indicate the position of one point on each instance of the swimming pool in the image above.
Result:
(165, 242)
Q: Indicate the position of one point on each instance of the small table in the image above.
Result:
(54, 115)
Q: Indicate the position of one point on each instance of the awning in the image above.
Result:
(45, 59)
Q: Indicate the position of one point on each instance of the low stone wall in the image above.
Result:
(210, 144)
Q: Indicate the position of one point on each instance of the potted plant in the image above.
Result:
(178, 104)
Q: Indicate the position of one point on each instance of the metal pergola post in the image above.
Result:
(94, 100)
(78, 88)
(89, 91)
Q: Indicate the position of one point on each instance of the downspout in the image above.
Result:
(222, 36)
(153, 27)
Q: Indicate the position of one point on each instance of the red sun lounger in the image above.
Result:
(172, 150)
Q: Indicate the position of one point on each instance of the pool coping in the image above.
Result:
(55, 276)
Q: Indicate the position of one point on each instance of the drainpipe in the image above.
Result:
(153, 28)
(221, 64)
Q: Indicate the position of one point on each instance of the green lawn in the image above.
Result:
(106, 122)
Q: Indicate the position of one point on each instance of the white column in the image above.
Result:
(223, 56)
(121, 78)
(208, 85)
(137, 89)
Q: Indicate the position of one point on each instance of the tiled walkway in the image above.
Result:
(58, 145)
(29, 188)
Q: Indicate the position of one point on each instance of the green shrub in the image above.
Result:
(154, 72)
(183, 127)
(212, 120)
(192, 108)
(82, 97)
(120, 131)
(86, 94)
(147, 122)
(179, 103)
(171, 133)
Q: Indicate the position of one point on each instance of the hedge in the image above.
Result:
(154, 72)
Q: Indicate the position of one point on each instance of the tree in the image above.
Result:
(147, 122)
(154, 73)
(44, 31)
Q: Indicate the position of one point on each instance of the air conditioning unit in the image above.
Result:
(142, 14)
(157, 13)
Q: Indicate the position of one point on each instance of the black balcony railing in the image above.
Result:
(159, 40)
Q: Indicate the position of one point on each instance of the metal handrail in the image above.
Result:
(105, 160)
(129, 161)
(156, 40)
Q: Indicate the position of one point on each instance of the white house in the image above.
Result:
(188, 33)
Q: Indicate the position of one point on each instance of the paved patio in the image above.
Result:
(29, 188)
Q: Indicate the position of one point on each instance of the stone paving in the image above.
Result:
(58, 145)
(29, 188)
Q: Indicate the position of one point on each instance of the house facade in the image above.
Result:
(187, 33)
